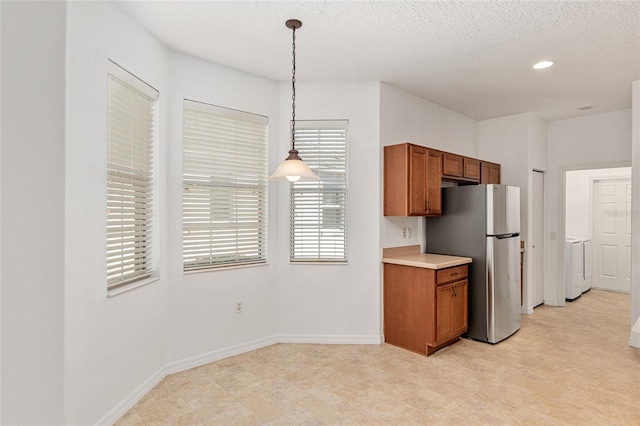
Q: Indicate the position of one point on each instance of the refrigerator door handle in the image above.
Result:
(503, 236)
(490, 291)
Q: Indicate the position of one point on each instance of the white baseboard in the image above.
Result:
(331, 339)
(174, 367)
(525, 310)
(217, 355)
(125, 405)
(634, 339)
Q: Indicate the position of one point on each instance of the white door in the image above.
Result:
(612, 234)
(536, 239)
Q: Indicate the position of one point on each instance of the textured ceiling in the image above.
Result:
(473, 57)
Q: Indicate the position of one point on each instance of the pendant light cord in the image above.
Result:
(293, 96)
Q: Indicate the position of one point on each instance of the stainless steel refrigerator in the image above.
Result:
(483, 222)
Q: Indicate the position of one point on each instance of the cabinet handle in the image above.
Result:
(426, 205)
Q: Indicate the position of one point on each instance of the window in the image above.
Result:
(319, 209)
(224, 187)
(130, 179)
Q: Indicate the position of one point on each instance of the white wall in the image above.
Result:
(112, 345)
(33, 144)
(598, 140)
(407, 118)
(579, 198)
(634, 339)
(518, 143)
(202, 317)
(335, 302)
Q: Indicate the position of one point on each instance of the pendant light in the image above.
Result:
(293, 169)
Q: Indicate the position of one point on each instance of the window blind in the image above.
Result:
(224, 187)
(319, 208)
(129, 178)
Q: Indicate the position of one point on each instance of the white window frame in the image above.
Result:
(225, 191)
(319, 231)
(131, 181)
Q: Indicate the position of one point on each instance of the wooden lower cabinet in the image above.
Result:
(424, 309)
(451, 311)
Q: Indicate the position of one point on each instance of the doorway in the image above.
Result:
(597, 209)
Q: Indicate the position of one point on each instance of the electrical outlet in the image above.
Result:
(239, 306)
(404, 233)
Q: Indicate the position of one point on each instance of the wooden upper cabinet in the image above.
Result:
(412, 176)
(452, 165)
(460, 167)
(471, 168)
(489, 172)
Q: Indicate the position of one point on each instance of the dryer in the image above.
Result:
(574, 277)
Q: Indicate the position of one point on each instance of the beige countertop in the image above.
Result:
(411, 256)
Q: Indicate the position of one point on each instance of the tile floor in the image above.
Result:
(565, 366)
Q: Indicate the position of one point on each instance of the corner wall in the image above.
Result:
(115, 348)
(203, 325)
(518, 143)
(600, 140)
(334, 303)
(33, 145)
(405, 117)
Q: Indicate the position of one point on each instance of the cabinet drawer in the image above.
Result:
(451, 274)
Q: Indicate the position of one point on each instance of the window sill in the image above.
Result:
(127, 288)
(224, 268)
(320, 262)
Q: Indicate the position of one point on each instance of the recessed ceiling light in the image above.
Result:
(584, 108)
(542, 65)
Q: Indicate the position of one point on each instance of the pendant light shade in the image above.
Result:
(293, 169)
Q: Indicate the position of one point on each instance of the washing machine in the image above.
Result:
(578, 253)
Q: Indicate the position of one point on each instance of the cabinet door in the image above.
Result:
(434, 176)
(444, 312)
(417, 180)
(485, 172)
(471, 168)
(494, 173)
(451, 165)
(451, 311)
(459, 308)
(489, 172)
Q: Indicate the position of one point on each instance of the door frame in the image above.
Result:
(530, 265)
(560, 290)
